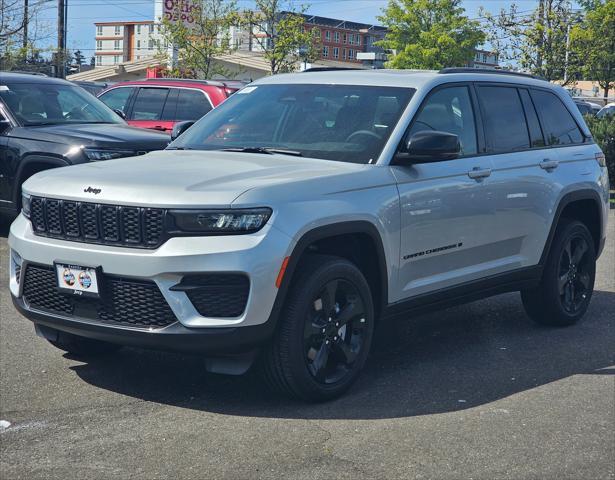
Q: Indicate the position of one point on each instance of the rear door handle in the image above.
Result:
(547, 164)
(477, 173)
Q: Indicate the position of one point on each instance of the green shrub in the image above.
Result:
(603, 130)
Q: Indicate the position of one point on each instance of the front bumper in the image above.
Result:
(258, 256)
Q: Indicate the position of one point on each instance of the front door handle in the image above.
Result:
(547, 164)
(477, 173)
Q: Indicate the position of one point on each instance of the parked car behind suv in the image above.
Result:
(159, 103)
(47, 122)
(289, 222)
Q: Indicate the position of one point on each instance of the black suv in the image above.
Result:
(47, 122)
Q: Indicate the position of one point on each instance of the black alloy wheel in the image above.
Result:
(335, 331)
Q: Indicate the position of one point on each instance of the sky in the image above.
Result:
(83, 13)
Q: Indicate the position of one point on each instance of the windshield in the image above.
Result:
(347, 123)
(52, 104)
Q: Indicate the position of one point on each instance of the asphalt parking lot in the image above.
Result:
(476, 391)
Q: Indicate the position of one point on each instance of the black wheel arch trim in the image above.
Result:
(567, 199)
(30, 159)
(321, 233)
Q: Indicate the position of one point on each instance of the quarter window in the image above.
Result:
(449, 110)
(192, 105)
(558, 124)
(505, 126)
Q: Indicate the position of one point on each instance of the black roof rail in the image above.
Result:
(488, 71)
(191, 80)
(328, 69)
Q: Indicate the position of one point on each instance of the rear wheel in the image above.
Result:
(325, 331)
(81, 346)
(567, 284)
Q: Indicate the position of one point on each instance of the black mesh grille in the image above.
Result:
(95, 223)
(217, 295)
(133, 303)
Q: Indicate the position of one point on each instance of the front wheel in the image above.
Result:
(567, 283)
(325, 331)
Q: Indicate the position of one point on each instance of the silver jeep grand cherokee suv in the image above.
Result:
(307, 208)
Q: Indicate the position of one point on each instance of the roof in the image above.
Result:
(173, 82)
(9, 77)
(137, 22)
(397, 78)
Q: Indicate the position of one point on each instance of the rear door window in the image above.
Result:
(117, 99)
(533, 124)
(557, 122)
(191, 105)
(506, 129)
(149, 104)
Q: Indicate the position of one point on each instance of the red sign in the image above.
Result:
(184, 11)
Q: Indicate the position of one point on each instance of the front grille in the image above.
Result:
(127, 302)
(222, 295)
(97, 223)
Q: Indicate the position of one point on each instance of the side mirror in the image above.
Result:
(431, 146)
(120, 113)
(179, 128)
(4, 125)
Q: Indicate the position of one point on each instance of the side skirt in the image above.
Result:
(467, 292)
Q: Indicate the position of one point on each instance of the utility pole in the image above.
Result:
(541, 22)
(25, 24)
(60, 73)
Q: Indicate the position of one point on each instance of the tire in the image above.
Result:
(81, 346)
(571, 262)
(310, 357)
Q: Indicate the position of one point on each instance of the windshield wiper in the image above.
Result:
(267, 150)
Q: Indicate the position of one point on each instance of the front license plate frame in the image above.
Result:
(78, 280)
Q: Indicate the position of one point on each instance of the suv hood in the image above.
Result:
(105, 135)
(174, 178)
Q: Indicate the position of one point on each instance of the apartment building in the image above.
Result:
(118, 42)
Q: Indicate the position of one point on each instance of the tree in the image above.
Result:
(79, 57)
(594, 42)
(536, 41)
(429, 34)
(281, 35)
(208, 37)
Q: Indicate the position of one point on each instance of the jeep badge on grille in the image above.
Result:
(95, 191)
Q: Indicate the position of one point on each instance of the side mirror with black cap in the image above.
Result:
(120, 113)
(430, 146)
(4, 125)
(180, 127)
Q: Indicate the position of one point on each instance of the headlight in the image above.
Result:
(25, 205)
(95, 154)
(221, 222)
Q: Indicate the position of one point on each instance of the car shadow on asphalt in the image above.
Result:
(462, 357)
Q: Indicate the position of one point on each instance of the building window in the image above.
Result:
(99, 30)
(325, 51)
(98, 60)
(344, 54)
(328, 35)
(116, 59)
(138, 29)
(344, 39)
(336, 37)
(336, 52)
(138, 44)
(351, 54)
(98, 44)
(151, 29)
(484, 58)
(150, 44)
(118, 30)
(116, 45)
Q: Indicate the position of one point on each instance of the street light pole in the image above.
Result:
(61, 40)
